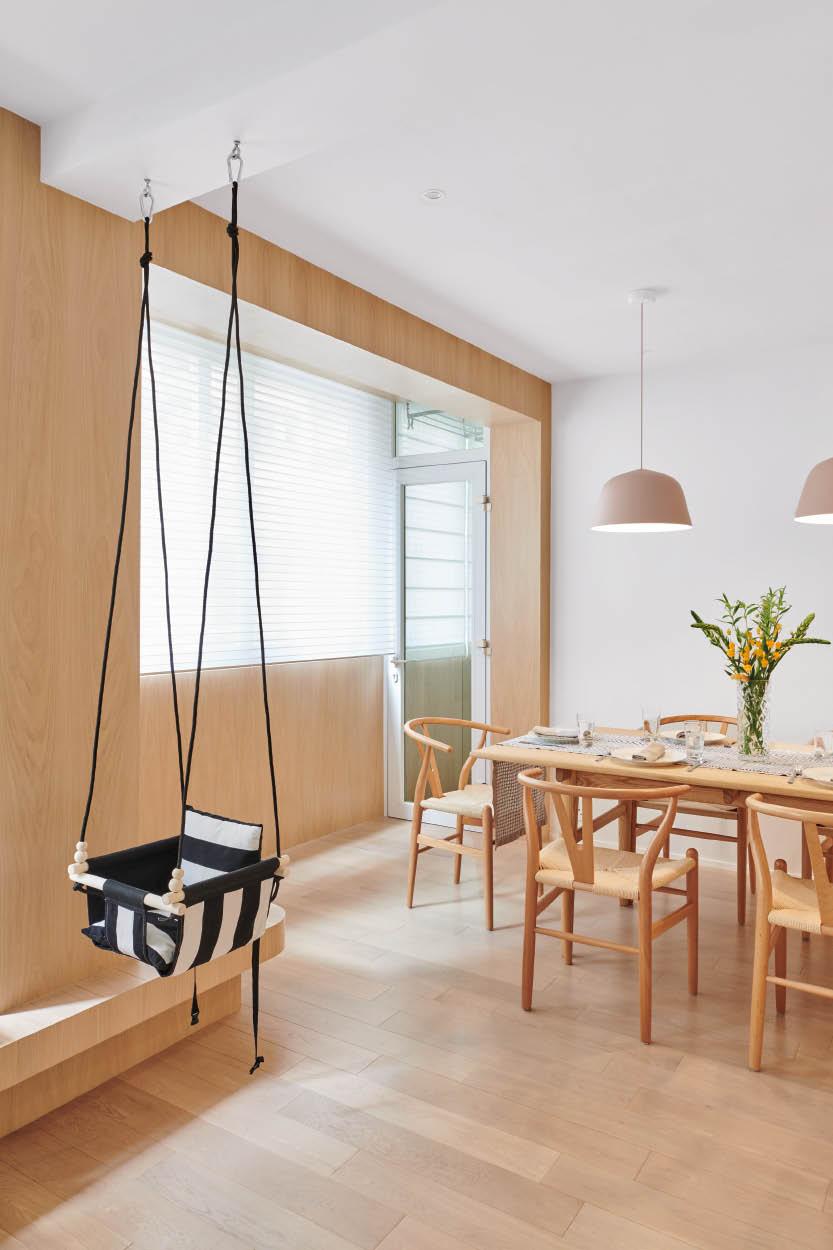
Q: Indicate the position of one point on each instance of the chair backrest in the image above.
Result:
(722, 722)
(418, 729)
(815, 831)
(578, 839)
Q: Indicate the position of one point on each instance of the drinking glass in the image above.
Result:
(650, 720)
(695, 742)
(586, 729)
(825, 739)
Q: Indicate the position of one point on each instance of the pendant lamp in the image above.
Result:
(815, 507)
(642, 501)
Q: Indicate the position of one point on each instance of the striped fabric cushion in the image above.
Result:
(126, 930)
(213, 845)
(222, 923)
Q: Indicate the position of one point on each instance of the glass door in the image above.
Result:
(440, 668)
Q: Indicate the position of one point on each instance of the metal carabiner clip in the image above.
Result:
(234, 155)
(146, 202)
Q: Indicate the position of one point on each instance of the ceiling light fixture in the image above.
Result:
(642, 501)
(815, 507)
(433, 194)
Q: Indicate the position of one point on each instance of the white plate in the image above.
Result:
(710, 739)
(823, 775)
(561, 735)
(627, 754)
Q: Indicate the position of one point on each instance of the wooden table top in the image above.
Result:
(727, 779)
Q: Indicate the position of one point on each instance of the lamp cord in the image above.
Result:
(641, 384)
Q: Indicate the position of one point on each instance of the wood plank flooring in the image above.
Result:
(407, 1103)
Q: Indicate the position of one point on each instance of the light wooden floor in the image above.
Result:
(409, 1104)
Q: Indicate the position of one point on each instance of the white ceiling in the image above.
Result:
(585, 147)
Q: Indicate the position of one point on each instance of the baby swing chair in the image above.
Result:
(183, 901)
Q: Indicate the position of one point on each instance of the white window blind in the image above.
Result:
(324, 509)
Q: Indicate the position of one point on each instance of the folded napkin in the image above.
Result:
(548, 731)
(650, 752)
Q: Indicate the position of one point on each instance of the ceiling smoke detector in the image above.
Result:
(433, 194)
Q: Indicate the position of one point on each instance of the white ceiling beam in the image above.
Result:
(177, 127)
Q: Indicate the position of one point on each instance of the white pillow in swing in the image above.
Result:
(213, 845)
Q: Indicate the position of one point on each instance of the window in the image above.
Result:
(421, 431)
(324, 509)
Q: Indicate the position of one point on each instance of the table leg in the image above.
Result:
(806, 870)
(627, 838)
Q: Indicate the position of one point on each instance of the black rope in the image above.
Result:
(177, 723)
(263, 680)
(233, 329)
(144, 324)
(255, 1002)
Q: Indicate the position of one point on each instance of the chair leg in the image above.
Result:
(646, 963)
(530, 921)
(781, 957)
(488, 868)
(752, 878)
(692, 889)
(416, 824)
(781, 971)
(458, 859)
(568, 906)
(742, 855)
(758, 1004)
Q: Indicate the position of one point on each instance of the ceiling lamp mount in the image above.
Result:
(642, 501)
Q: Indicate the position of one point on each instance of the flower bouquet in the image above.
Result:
(751, 637)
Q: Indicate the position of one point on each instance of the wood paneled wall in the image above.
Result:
(193, 242)
(519, 574)
(68, 307)
(327, 721)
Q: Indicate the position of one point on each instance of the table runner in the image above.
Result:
(508, 797)
(776, 764)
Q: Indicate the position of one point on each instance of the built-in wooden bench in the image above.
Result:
(56, 1047)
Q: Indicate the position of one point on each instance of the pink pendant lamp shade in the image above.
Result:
(642, 501)
(815, 507)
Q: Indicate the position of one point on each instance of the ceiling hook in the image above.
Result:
(234, 155)
(146, 201)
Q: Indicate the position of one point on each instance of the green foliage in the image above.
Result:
(750, 634)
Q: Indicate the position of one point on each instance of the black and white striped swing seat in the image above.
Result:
(183, 901)
(227, 890)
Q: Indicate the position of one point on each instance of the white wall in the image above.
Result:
(741, 439)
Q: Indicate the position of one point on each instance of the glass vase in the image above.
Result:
(753, 718)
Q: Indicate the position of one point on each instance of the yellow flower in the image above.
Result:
(745, 655)
(764, 663)
(731, 651)
(772, 644)
(747, 668)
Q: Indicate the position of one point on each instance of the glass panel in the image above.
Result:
(420, 431)
(437, 617)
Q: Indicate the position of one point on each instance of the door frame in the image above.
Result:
(451, 467)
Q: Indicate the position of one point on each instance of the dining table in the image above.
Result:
(723, 777)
